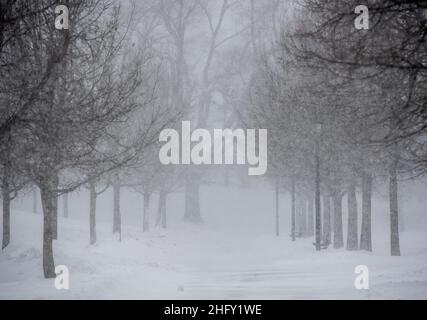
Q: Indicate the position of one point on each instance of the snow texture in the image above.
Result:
(219, 259)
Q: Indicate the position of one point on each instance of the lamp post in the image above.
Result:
(318, 131)
(293, 222)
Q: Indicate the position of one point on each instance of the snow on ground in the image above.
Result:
(198, 262)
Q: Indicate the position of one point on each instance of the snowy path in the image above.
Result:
(300, 273)
(194, 262)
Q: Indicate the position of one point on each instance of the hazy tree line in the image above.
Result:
(360, 94)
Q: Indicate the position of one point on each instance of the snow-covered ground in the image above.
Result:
(224, 258)
(194, 262)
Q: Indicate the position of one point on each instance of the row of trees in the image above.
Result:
(78, 105)
(366, 92)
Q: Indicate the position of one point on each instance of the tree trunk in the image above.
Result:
(161, 210)
(338, 229)
(332, 216)
(146, 213)
(310, 213)
(117, 219)
(5, 191)
(277, 206)
(192, 199)
(326, 221)
(352, 237)
(401, 209)
(318, 223)
(293, 209)
(92, 213)
(65, 205)
(55, 184)
(394, 214)
(35, 204)
(365, 234)
(303, 218)
(48, 198)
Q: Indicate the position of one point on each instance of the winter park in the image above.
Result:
(213, 150)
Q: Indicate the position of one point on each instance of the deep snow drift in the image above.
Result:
(229, 256)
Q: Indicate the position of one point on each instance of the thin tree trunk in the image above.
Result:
(317, 204)
(117, 219)
(55, 184)
(326, 221)
(277, 206)
(161, 210)
(352, 234)
(332, 216)
(310, 213)
(65, 205)
(146, 213)
(35, 204)
(48, 199)
(338, 228)
(293, 209)
(365, 234)
(303, 216)
(394, 214)
(192, 198)
(164, 217)
(5, 191)
(401, 209)
(92, 213)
